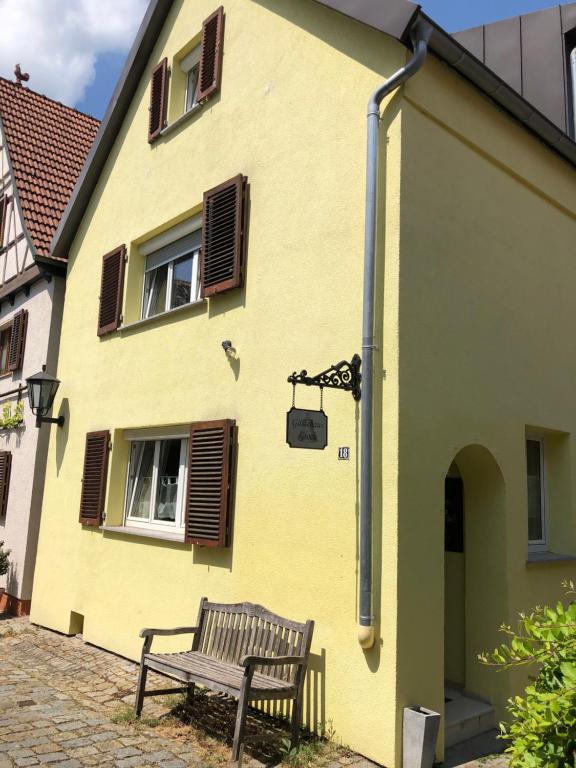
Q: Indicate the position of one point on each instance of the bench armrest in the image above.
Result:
(168, 632)
(273, 661)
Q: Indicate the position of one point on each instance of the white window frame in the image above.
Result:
(191, 225)
(158, 437)
(187, 65)
(539, 545)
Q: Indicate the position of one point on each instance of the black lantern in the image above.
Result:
(42, 390)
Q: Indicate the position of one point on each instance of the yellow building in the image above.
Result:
(224, 201)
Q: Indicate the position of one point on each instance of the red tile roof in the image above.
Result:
(48, 143)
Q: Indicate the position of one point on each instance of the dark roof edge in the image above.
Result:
(396, 18)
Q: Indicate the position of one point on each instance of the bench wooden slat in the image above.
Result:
(205, 666)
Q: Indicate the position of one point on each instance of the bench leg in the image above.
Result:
(141, 688)
(296, 722)
(240, 721)
(190, 694)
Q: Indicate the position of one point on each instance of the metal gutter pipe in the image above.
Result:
(366, 618)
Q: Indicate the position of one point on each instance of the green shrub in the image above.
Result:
(542, 729)
(4, 559)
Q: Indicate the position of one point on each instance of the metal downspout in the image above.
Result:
(366, 618)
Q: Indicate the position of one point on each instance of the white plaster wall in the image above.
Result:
(19, 528)
(15, 251)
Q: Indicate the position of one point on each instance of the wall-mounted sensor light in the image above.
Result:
(228, 348)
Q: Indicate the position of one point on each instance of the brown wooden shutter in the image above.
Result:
(158, 99)
(94, 477)
(5, 468)
(3, 211)
(210, 480)
(223, 226)
(211, 55)
(111, 290)
(18, 340)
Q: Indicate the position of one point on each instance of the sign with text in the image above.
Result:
(306, 429)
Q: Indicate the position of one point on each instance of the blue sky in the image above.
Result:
(75, 49)
(461, 14)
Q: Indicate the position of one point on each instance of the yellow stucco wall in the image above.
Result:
(487, 355)
(290, 116)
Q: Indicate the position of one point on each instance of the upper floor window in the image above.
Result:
(536, 475)
(195, 76)
(190, 65)
(172, 275)
(5, 343)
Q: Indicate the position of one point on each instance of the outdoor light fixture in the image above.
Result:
(228, 349)
(42, 390)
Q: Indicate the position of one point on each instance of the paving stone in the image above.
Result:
(45, 748)
(14, 753)
(23, 761)
(83, 741)
(126, 752)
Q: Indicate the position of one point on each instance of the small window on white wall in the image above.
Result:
(171, 274)
(536, 475)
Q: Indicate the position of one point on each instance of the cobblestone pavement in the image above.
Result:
(59, 697)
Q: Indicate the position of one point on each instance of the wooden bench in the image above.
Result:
(242, 650)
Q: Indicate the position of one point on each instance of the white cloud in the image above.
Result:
(58, 41)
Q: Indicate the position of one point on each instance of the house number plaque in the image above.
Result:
(306, 429)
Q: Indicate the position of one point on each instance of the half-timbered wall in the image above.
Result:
(15, 249)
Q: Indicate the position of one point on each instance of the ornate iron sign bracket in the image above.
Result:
(343, 375)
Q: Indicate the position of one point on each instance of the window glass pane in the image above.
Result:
(168, 472)
(192, 86)
(140, 479)
(155, 291)
(5, 337)
(182, 282)
(535, 526)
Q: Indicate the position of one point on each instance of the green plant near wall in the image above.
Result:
(9, 419)
(542, 729)
(4, 559)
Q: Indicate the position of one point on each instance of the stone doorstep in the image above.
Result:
(466, 718)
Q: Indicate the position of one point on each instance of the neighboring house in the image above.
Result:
(224, 202)
(43, 146)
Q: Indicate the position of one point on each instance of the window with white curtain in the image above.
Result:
(155, 488)
(171, 277)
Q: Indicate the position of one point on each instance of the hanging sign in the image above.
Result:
(306, 429)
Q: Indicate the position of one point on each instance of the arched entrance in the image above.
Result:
(475, 588)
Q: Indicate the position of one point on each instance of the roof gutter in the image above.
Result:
(365, 613)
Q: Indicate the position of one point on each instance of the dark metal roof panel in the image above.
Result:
(502, 51)
(391, 16)
(544, 78)
(528, 53)
(568, 16)
(473, 40)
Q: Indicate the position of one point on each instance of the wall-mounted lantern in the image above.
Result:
(42, 390)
